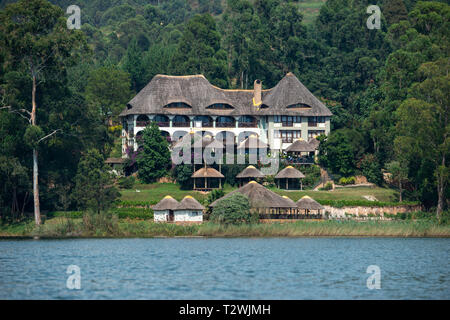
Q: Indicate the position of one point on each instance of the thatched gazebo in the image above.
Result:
(308, 204)
(262, 200)
(290, 173)
(163, 211)
(248, 174)
(207, 173)
(301, 151)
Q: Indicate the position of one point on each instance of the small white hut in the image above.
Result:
(163, 211)
(189, 210)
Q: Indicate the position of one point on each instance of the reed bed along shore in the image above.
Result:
(78, 228)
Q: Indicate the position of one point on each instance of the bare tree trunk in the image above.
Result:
(400, 189)
(440, 189)
(37, 211)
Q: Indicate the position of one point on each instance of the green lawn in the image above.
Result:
(310, 9)
(157, 191)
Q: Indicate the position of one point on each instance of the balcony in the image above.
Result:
(225, 125)
(163, 123)
(287, 123)
(183, 124)
(141, 123)
(312, 124)
(252, 124)
(207, 124)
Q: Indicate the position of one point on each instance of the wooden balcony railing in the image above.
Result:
(225, 124)
(253, 124)
(163, 124)
(181, 124)
(312, 124)
(142, 123)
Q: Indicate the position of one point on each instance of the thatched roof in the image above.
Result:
(309, 203)
(167, 203)
(292, 202)
(300, 146)
(207, 173)
(189, 203)
(252, 142)
(314, 143)
(199, 94)
(289, 172)
(250, 172)
(260, 197)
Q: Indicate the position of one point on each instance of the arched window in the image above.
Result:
(299, 106)
(177, 105)
(162, 120)
(181, 121)
(247, 122)
(225, 122)
(142, 121)
(203, 121)
(220, 106)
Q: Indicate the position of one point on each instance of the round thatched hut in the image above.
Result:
(262, 200)
(248, 174)
(308, 205)
(189, 210)
(163, 211)
(290, 174)
(210, 174)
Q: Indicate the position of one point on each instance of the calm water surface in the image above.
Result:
(183, 268)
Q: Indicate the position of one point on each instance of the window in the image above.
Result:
(220, 106)
(195, 213)
(177, 105)
(312, 121)
(287, 121)
(315, 133)
(288, 136)
(298, 106)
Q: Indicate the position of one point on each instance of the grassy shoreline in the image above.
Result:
(136, 228)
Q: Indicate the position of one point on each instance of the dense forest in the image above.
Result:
(388, 88)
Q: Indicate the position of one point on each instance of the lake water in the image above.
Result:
(217, 268)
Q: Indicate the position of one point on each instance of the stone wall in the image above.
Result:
(366, 211)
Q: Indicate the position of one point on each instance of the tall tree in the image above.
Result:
(35, 35)
(199, 51)
(108, 90)
(94, 188)
(154, 159)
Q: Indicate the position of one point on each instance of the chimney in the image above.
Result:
(257, 92)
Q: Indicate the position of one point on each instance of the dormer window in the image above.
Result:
(220, 106)
(298, 106)
(177, 105)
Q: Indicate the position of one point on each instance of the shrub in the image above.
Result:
(270, 181)
(232, 210)
(327, 186)
(100, 223)
(133, 213)
(346, 181)
(214, 195)
(127, 182)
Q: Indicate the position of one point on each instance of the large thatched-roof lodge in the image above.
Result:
(183, 104)
(262, 199)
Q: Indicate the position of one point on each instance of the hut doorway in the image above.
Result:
(171, 216)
